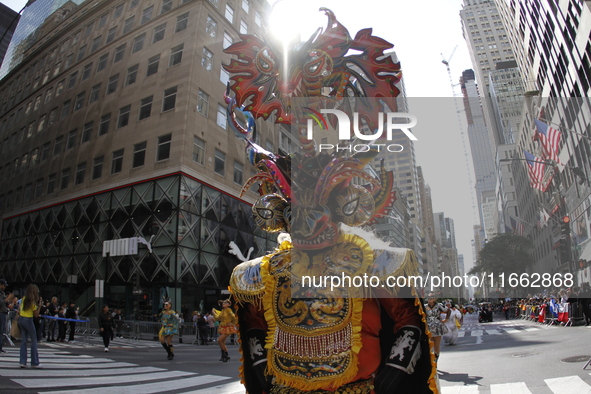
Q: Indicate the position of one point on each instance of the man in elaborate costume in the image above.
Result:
(299, 336)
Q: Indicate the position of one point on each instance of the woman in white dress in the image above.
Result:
(452, 322)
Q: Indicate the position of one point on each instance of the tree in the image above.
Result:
(507, 253)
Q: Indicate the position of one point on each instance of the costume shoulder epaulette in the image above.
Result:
(246, 282)
(394, 262)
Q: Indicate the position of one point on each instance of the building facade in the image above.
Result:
(112, 127)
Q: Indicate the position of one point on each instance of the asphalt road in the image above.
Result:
(501, 357)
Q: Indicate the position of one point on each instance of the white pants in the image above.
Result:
(452, 334)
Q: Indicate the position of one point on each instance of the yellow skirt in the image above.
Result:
(227, 330)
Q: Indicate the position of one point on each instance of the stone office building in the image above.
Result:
(113, 127)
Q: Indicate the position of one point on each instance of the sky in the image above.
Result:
(423, 33)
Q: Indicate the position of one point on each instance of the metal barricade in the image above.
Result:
(575, 314)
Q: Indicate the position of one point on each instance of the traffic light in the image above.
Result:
(565, 227)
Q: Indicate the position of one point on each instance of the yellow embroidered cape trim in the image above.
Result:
(315, 383)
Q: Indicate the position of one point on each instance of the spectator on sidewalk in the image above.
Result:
(5, 300)
(71, 314)
(62, 325)
(118, 319)
(202, 329)
(28, 310)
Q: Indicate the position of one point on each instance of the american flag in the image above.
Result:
(535, 170)
(518, 227)
(549, 137)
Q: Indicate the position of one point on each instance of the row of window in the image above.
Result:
(145, 111)
(56, 64)
(62, 180)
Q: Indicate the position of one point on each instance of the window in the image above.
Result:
(60, 88)
(65, 179)
(117, 163)
(128, 25)
(211, 26)
(51, 183)
(257, 18)
(66, 109)
(181, 22)
(31, 129)
(79, 101)
(227, 40)
(45, 151)
(198, 150)
(37, 103)
(34, 156)
(87, 132)
(81, 53)
(238, 172)
(139, 154)
(102, 62)
(80, 172)
(69, 61)
(176, 55)
(97, 167)
(147, 15)
(52, 115)
(41, 124)
(71, 139)
(133, 4)
(38, 188)
(202, 103)
(57, 146)
(72, 80)
(96, 43)
(169, 101)
(224, 76)
(111, 34)
(215, 3)
(104, 125)
(95, 93)
(219, 165)
(138, 43)
(118, 11)
(146, 107)
(159, 33)
(163, 151)
(166, 6)
(88, 29)
(243, 26)
(119, 53)
(153, 63)
(86, 71)
(131, 75)
(48, 96)
(123, 116)
(229, 14)
(207, 60)
(103, 20)
(112, 86)
(245, 5)
(221, 117)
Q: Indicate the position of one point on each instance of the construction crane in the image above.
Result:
(467, 156)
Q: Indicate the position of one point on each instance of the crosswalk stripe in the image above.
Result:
(148, 388)
(49, 355)
(476, 333)
(230, 388)
(470, 389)
(100, 380)
(39, 373)
(65, 365)
(73, 359)
(509, 388)
(492, 332)
(510, 330)
(568, 385)
(461, 334)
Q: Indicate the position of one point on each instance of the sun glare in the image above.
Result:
(291, 21)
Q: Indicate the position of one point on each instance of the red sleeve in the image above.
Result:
(402, 311)
(252, 317)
